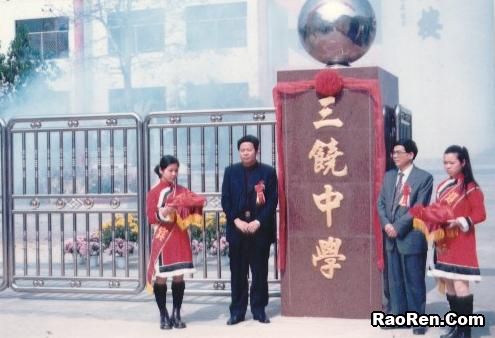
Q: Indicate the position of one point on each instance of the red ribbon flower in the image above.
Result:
(406, 191)
(328, 83)
(260, 196)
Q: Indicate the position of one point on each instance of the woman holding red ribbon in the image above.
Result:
(458, 208)
(171, 208)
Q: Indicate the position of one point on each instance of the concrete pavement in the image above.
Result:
(95, 316)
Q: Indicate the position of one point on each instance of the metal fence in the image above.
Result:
(3, 224)
(75, 189)
(74, 192)
(205, 142)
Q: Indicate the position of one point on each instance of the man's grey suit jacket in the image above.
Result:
(408, 241)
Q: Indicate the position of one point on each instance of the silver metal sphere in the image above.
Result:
(337, 31)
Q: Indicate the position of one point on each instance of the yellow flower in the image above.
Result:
(210, 219)
(133, 228)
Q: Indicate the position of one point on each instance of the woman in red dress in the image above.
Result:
(455, 259)
(170, 208)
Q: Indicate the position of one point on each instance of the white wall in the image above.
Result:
(448, 83)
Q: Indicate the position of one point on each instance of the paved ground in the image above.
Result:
(62, 316)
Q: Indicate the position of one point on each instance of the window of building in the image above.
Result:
(143, 30)
(216, 26)
(144, 100)
(48, 36)
(217, 95)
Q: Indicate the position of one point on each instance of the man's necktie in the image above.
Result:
(397, 190)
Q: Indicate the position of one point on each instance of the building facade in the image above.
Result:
(147, 55)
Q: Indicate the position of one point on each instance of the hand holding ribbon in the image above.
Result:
(432, 220)
(189, 209)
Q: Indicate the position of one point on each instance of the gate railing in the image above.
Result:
(74, 193)
(205, 142)
(74, 189)
(3, 224)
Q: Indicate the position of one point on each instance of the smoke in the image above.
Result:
(37, 99)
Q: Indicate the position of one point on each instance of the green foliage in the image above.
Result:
(19, 67)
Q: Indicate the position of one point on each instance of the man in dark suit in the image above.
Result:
(405, 247)
(249, 200)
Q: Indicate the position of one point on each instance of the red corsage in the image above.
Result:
(328, 83)
(260, 196)
(406, 191)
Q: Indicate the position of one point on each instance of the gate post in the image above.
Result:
(4, 242)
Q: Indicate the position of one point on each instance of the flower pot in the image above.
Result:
(94, 260)
(198, 260)
(120, 262)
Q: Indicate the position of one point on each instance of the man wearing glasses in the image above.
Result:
(405, 248)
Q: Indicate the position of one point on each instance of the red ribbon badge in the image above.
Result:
(406, 191)
(260, 196)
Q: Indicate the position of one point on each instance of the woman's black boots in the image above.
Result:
(461, 306)
(177, 296)
(452, 332)
(160, 291)
(465, 307)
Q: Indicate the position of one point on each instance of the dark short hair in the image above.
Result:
(409, 146)
(251, 139)
(165, 161)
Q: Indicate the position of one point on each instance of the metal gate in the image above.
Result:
(75, 186)
(3, 223)
(74, 206)
(205, 142)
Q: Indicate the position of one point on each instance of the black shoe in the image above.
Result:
(234, 320)
(262, 318)
(178, 324)
(176, 321)
(451, 333)
(419, 330)
(165, 323)
(464, 332)
(177, 297)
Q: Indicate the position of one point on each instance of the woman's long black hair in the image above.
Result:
(463, 156)
(165, 161)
